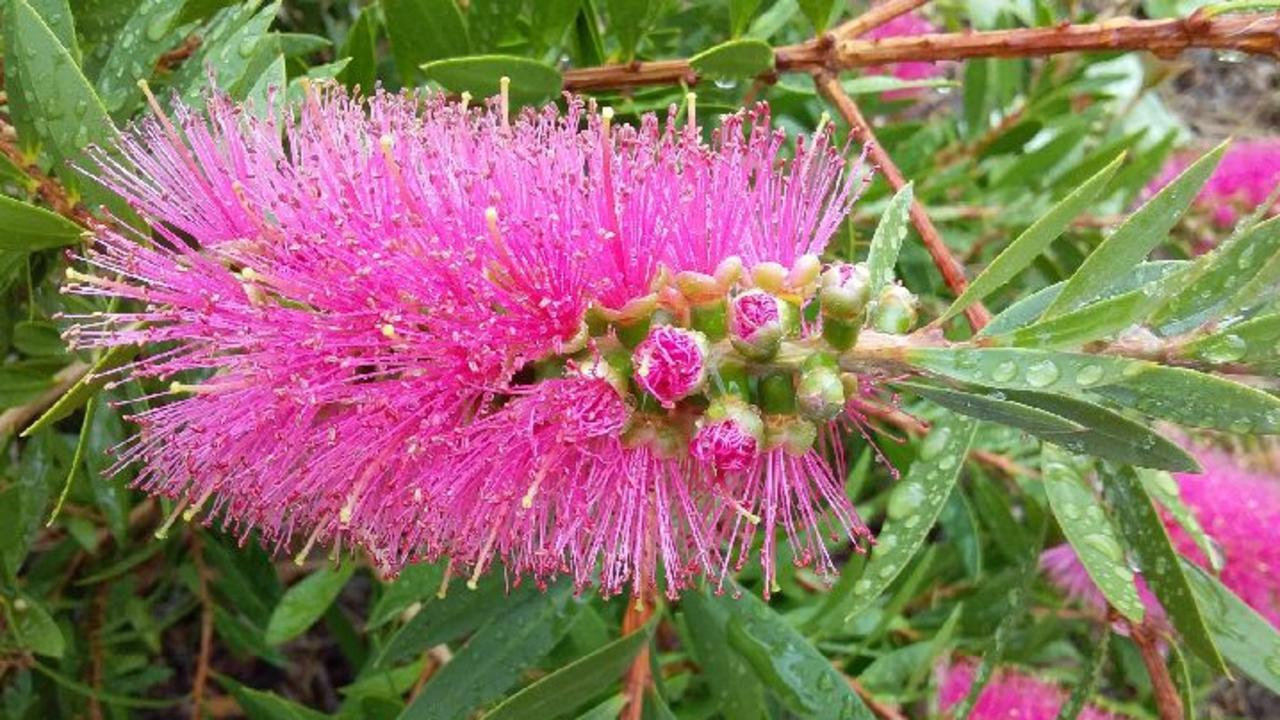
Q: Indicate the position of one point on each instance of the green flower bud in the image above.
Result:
(794, 435)
(845, 291)
(820, 394)
(895, 310)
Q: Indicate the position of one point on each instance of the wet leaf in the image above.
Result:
(1136, 236)
(887, 240)
(150, 31)
(732, 681)
(1090, 532)
(1164, 490)
(1251, 343)
(1247, 640)
(1145, 536)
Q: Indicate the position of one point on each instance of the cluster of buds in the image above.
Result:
(730, 365)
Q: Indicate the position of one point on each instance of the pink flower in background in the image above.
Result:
(1240, 511)
(1248, 174)
(906, 25)
(401, 324)
(1009, 695)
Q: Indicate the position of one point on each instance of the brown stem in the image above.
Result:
(951, 269)
(203, 658)
(879, 708)
(637, 679)
(1254, 33)
(97, 655)
(1168, 703)
(50, 191)
(877, 15)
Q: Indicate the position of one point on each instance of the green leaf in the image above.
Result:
(493, 659)
(149, 32)
(1183, 396)
(68, 111)
(20, 385)
(449, 618)
(417, 583)
(1249, 343)
(887, 241)
(34, 629)
(564, 690)
(532, 82)
(28, 228)
(259, 100)
(263, 705)
(732, 682)
(1164, 490)
(995, 409)
(1089, 531)
(1216, 278)
(1084, 691)
(361, 45)
(1091, 322)
(1142, 231)
(1247, 639)
(818, 12)
(876, 84)
(304, 603)
(84, 388)
(229, 48)
(38, 338)
(787, 663)
(422, 31)
(629, 21)
(734, 59)
(552, 19)
(914, 506)
(1026, 310)
(1108, 434)
(1145, 535)
(740, 14)
(491, 22)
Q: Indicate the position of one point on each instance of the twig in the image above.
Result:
(879, 14)
(951, 269)
(1168, 703)
(638, 614)
(97, 659)
(201, 679)
(1254, 33)
(914, 426)
(174, 57)
(16, 418)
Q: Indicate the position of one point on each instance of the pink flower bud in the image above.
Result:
(671, 363)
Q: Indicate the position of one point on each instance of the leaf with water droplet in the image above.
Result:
(1247, 640)
(1033, 241)
(786, 662)
(887, 240)
(1164, 489)
(1091, 534)
(885, 563)
(1136, 236)
(1145, 536)
(734, 60)
(732, 681)
(147, 34)
(1251, 343)
(1095, 320)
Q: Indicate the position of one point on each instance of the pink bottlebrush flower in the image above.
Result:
(1009, 695)
(905, 25)
(1246, 177)
(396, 323)
(1240, 511)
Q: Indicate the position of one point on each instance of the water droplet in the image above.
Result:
(726, 83)
(1224, 349)
(1071, 511)
(1089, 375)
(934, 443)
(247, 46)
(1105, 545)
(1004, 372)
(82, 106)
(1042, 374)
(158, 27)
(905, 500)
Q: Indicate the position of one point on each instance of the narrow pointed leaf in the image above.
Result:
(263, 705)
(788, 663)
(150, 31)
(1142, 231)
(564, 690)
(1145, 535)
(1091, 322)
(995, 409)
(887, 240)
(1085, 690)
(1217, 277)
(361, 46)
(914, 506)
(494, 658)
(1033, 241)
(422, 31)
(1164, 490)
(1246, 639)
(304, 603)
(1252, 343)
(84, 388)
(1091, 534)
(732, 681)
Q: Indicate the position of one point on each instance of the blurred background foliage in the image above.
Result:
(104, 612)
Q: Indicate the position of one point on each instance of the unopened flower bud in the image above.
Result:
(804, 272)
(845, 291)
(895, 311)
(770, 277)
(820, 393)
(671, 363)
(611, 370)
(757, 323)
(729, 437)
